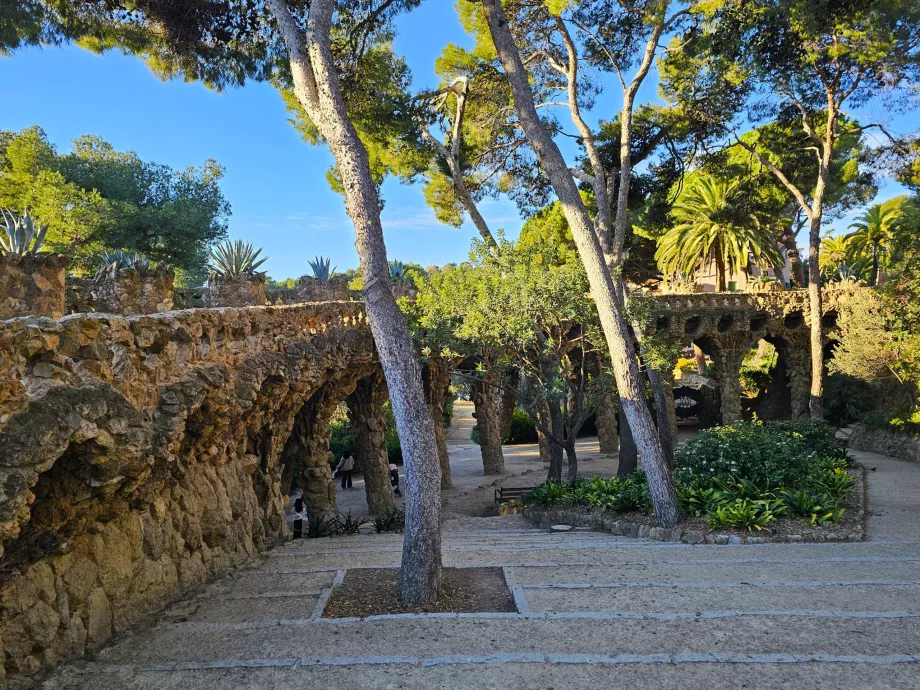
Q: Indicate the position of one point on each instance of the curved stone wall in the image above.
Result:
(140, 455)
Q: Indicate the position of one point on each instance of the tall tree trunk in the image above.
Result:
(628, 460)
(605, 417)
(436, 380)
(486, 397)
(720, 269)
(316, 84)
(622, 355)
(571, 457)
(796, 269)
(556, 450)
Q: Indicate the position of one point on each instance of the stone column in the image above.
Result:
(32, 285)
(605, 419)
(728, 381)
(798, 367)
(436, 380)
(486, 397)
(369, 427)
(308, 447)
(628, 453)
(130, 291)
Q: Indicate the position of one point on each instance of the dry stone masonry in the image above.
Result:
(32, 284)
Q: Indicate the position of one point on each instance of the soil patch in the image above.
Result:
(372, 591)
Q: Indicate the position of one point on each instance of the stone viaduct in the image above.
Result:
(139, 456)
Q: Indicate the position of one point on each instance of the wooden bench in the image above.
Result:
(508, 493)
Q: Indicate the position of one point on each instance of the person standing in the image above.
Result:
(300, 514)
(394, 479)
(346, 466)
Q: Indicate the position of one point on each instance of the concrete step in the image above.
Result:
(429, 637)
(812, 596)
(496, 673)
(721, 571)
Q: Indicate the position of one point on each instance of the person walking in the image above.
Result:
(394, 479)
(300, 514)
(346, 466)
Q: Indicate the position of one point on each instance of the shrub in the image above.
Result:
(392, 520)
(341, 440)
(523, 429)
(846, 399)
(346, 524)
(782, 453)
(320, 526)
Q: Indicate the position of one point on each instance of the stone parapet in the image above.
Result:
(32, 285)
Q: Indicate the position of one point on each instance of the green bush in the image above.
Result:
(781, 453)
(448, 413)
(392, 520)
(341, 440)
(846, 399)
(523, 429)
(742, 476)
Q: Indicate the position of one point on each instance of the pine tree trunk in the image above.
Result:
(487, 401)
(628, 460)
(317, 86)
(603, 288)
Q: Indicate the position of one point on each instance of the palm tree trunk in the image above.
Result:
(720, 268)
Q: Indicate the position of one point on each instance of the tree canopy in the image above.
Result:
(96, 198)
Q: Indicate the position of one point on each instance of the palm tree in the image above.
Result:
(873, 233)
(711, 229)
(834, 253)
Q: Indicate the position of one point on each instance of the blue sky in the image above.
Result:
(275, 183)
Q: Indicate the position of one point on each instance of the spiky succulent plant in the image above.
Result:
(236, 259)
(20, 235)
(122, 259)
(399, 271)
(321, 268)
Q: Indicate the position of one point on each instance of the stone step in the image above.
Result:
(261, 582)
(426, 637)
(226, 609)
(842, 596)
(492, 672)
(722, 571)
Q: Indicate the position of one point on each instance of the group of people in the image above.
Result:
(344, 469)
(347, 465)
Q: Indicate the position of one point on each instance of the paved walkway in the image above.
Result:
(593, 611)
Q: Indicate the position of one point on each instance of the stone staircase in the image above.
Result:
(593, 610)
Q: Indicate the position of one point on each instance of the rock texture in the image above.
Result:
(899, 445)
(369, 428)
(130, 291)
(243, 291)
(32, 285)
(139, 456)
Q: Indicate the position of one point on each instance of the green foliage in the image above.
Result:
(96, 198)
(20, 235)
(319, 526)
(846, 399)
(321, 267)
(617, 494)
(394, 520)
(873, 235)
(236, 259)
(523, 429)
(341, 440)
(756, 370)
(710, 230)
(346, 524)
(745, 513)
(122, 259)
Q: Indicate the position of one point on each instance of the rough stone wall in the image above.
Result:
(139, 456)
(313, 290)
(129, 292)
(244, 291)
(32, 285)
(436, 381)
(904, 446)
(369, 427)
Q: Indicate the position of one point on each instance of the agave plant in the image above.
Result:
(320, 267)
(122, 259)
(20, 235)
(236, 259)
(399, 271)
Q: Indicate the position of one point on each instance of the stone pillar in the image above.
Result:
(487, 402)
(728, 381)
(308, 447)
(798, 366)
(242, 291)
(628, 454)
(313, 290)
(369, 427)
(128, 291)
(32, 285)
(605, 419)
(436, 381)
